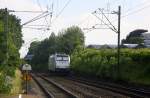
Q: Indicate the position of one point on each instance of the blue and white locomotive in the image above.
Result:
(59, 63)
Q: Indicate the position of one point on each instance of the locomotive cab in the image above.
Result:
(59, 63)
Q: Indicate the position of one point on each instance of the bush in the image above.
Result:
(134, 64)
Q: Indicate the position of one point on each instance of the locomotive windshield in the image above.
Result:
(62, 58)
(59, 58)
(65, 58)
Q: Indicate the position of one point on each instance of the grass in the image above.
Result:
(17, 83)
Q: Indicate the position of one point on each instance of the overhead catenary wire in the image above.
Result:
(136, 11)
(37, 28)
(133, 12)
(80, 23)
(37, 25)
(42, 10)
(26, 11)
(51, 15)
(36, 18)
(61, 11)
(114, 29)
(63, 8)
(104, 23)
(93, 28)
(136, 6)
(39, 5)
(110, 25)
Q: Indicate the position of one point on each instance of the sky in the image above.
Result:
(65, 13)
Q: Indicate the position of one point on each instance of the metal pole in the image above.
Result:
(26, 82)
(119, 18)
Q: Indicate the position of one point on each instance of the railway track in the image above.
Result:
(51, 89)
(129, 91)
(83, 90)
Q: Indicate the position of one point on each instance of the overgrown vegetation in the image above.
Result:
(65, 42)
(17, 83)
(134, 64)
(10, 43)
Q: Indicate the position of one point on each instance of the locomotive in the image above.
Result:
(59, 63)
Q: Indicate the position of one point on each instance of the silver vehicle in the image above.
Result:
(59, 63)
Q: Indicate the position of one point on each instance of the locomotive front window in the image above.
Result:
(65, 58)
(59, 58)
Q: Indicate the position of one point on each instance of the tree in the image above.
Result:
(41, 51)
(33, 47)
(134, 37)
(52, 43)
(10, 43)
(70, 39)
(66, 42)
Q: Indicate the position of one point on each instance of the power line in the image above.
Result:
(36, 18)
(63, 8)
(133, 12)
(39, 15)
(114, 29)
(136, 11)
(37, 28)
(128, 10)
(51, 15)
(39, 4)
(93, 28)
(26, 11)
(80, 23)
(104, 23)
(38, 25)
(42, 10)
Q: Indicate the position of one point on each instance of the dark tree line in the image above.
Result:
(65, 42)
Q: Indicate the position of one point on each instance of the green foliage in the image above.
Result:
(10, 43)
(66, 42)
(33, 47)
(69, 39)
(134, 64)
(41, 51)
(4, 87)
(133, 40)
(5, 84)
(134, 37)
